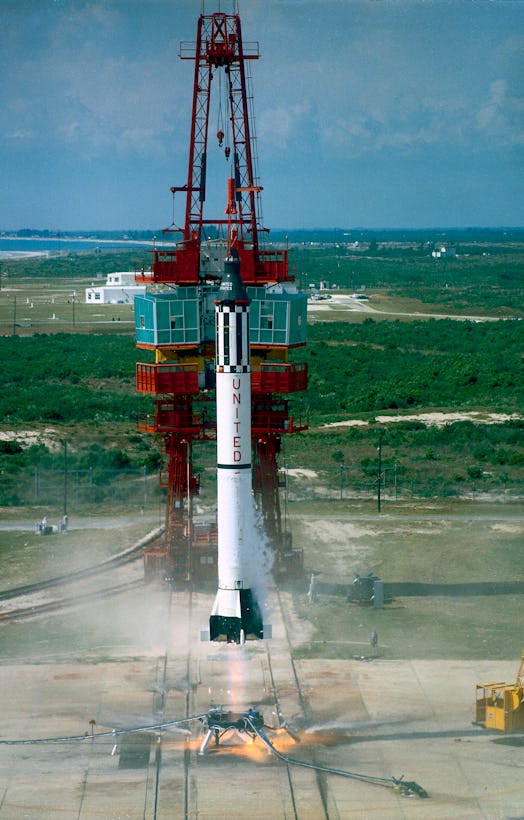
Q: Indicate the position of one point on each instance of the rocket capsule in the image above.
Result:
(232, 288)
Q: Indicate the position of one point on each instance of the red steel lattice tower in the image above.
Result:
(177, 324)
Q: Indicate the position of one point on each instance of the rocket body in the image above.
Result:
(235, 616)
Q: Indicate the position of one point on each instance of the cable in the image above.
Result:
(110, 733)
(407, 788)
(404, 787)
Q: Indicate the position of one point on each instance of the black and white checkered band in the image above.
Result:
(232, 338)
(231, 368)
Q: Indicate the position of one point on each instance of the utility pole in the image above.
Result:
(65, 480)
(379, 476)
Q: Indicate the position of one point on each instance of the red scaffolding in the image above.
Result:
(177, 380)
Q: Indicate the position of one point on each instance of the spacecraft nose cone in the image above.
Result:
(232, 288)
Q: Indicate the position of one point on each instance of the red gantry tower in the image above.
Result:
(175, 318)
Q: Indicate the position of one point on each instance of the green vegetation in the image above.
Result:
(81, 381)
(425, 460)
(71, 378)
(72, 266)
(353, 369)
(377, 366)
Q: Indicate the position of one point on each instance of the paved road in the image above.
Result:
(342, 300)
(74, 523)
(408, 517)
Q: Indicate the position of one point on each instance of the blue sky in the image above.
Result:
(368, 113)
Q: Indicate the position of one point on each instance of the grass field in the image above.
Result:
(453, 573)
(30, 305)
(85, 388)
(453, 576)
(27, 557)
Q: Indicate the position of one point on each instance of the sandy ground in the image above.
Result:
(378, 717)
(434, 419)
(51, 439)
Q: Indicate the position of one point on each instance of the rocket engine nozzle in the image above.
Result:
(235, 617)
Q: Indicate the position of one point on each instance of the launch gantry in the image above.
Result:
(175, 318)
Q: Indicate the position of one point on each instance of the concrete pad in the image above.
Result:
(378, 717)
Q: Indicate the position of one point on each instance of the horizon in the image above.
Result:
(50, 233)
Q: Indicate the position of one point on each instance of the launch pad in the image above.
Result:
(218, 722)
(112, 660)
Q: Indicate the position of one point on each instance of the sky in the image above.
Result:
(367, 113)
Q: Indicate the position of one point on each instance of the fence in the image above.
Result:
(64, 489)
(339, 483)
(140, 487)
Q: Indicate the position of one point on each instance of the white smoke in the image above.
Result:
(260, 557)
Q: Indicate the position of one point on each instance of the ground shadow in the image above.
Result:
(408, 589)
(412, 589)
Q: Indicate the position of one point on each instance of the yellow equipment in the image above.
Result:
(501, 705)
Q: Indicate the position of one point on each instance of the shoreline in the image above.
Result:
(52, 246)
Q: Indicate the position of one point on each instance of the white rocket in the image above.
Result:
(236, 615)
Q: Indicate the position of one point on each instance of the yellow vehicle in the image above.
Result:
(501, 705)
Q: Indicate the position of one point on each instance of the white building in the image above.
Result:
(443, 250)
(119, 289)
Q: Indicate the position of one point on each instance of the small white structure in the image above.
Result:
(119, 289)
(442, 251)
